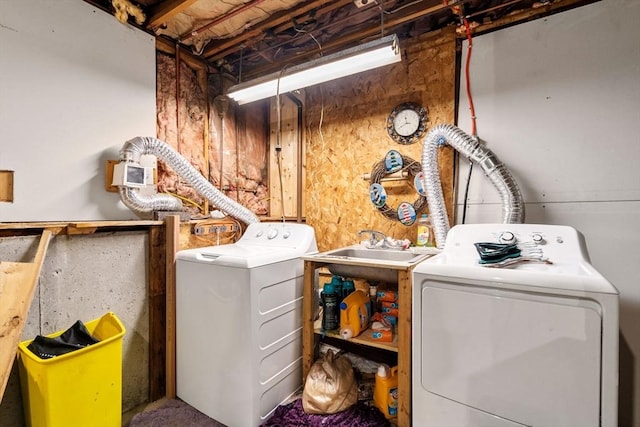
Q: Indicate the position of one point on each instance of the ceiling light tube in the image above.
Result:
(365, 57)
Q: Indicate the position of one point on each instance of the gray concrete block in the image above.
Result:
(82, 278)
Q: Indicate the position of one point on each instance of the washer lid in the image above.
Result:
(564, 248)
(238, 255)
(581, 277)
(262, 243)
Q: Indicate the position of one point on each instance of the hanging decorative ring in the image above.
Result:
(391, 164)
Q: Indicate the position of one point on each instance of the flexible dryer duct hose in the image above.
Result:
(512, 205)
(136, 147)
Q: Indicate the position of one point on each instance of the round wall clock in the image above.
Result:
(407, 123)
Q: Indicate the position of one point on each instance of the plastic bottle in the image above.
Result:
(331, 311)
(373, 298)
(355, 313)
(385, 391)
(425, 232)
(382, 335)
(347, 287)
(337, 283)
(388, 296)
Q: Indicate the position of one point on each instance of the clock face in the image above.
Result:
(407, 123)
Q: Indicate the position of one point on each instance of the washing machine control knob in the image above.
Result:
(259, 233)
(537, 238)
(507, 237)
(286, 234)
(273, 232)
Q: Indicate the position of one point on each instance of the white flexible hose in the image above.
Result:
(500, 177)
(136, 147)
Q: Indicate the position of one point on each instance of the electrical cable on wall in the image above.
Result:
(185, 199)
(278, 145)
(472, 111)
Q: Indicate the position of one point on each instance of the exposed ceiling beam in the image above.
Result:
(359, 36)
(221, 19)
(166, 10)
(169, 47)
(219, 50)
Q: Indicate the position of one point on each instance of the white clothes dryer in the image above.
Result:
(239, 323)
(529, 344)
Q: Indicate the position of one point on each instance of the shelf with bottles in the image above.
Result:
(399, 350)
(365, 338)
(358, 313)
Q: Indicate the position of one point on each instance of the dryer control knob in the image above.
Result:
(286, 234)
(272, 233)
(537, 238)
(507, 237)
(259, 233)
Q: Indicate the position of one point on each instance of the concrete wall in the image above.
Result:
(82, 278)
(558, 101)
(75, 84)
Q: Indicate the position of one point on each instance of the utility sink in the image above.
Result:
(371, 264)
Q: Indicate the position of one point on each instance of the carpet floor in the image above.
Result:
(176, 413)
(172, 413)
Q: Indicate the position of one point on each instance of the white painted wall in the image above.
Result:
(558, 101)
(75, 84)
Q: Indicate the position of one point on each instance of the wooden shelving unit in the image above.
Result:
(363, 339)
(402, 342)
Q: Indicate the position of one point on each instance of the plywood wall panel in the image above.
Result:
(287, 156)
(346, 136)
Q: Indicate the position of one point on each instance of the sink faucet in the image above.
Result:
(375, 237)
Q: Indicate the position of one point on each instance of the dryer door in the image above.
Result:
(525, 357)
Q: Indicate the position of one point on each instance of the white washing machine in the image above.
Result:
(532, 344)
(239, 323)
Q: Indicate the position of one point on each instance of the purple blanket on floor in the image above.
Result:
(293, 415)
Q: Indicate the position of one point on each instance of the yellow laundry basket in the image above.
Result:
(82, 388)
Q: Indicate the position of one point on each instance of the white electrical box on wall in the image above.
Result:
(132, 175)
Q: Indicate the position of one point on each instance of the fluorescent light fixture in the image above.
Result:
(369, 55)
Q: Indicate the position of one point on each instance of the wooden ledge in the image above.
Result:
(71, 228)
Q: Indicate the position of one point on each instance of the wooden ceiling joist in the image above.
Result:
(352, 38)
(220, 50)
(167, 10)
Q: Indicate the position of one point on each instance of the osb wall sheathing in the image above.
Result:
(346, 136)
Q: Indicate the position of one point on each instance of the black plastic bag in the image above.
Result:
(74, 338)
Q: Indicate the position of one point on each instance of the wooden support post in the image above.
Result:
(172, 231)
(18, 283)
(404, 348)
(157, 313)
(308, 335)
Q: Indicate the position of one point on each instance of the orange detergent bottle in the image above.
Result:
(355, 312)
(385, 391)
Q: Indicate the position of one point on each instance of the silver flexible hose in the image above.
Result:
(137, 202)
(136, 147)
(500, 177)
